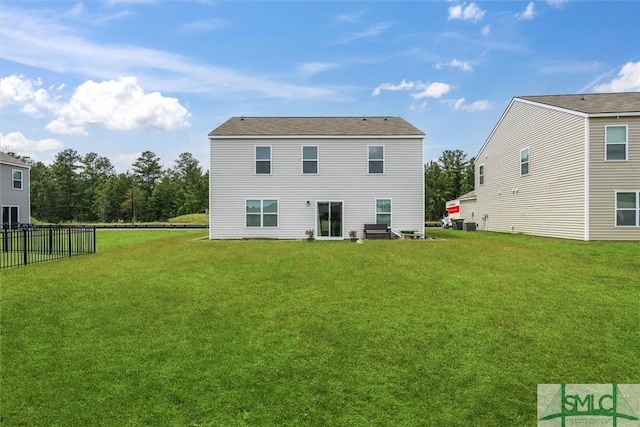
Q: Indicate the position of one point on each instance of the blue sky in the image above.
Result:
(118, 77)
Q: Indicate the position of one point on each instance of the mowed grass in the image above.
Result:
(160, 328)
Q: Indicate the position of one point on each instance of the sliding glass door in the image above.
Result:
(329, 219)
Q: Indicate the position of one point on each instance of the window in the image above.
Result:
(628, 209)
(310, 159)
(16, 177)
(481, 174)
(263, 159)
(261, 212)
(615, 142)
(524, 162)
(376, 159)
(383, 211)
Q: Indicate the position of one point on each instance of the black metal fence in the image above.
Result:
(36, 244)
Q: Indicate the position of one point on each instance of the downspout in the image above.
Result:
(587, 154)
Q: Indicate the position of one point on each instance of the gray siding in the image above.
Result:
(607, 177)
(11, 197)
(550, 201)
(342, 177)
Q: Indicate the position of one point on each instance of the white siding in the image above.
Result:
(550, 200)
(468, 210)
(607, 177)
(343, 177)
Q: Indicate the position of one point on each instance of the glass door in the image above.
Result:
(329, 219)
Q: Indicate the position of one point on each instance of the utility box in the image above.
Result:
(469, 226)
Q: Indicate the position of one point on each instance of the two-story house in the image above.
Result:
(276, 177)
(15, 201)
(562, 166)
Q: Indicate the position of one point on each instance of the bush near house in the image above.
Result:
(162, 328)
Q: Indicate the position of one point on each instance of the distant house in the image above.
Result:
(15, 201)
(562, 166)
(277, 177)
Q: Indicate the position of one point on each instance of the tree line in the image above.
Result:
(86, 188)
(447, 178)
(76, 188)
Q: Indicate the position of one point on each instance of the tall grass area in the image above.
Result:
(161, 328)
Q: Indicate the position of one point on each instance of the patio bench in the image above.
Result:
(377, 231)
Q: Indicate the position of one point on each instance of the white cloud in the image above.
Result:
(486, 30)
(63, 128)
(433, 90)
(557, 3)
(628, 80)
(470, 12)
(404, 85)
(16, 89)
(18, 143)
(456, 63)
(118, 104)
(529, 13)
(204, 26)
(40, 40)
(368, 33)
(311, 68)
(427, 90)
(461, 105)
(349, 17)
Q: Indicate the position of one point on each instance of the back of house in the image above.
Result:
(15, 200)
(279, 177)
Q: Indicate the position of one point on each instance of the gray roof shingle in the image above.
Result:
(316, 126)
(595, 103)
(8, 159)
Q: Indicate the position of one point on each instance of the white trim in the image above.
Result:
(626, 143)
(528, 149)
(615, 210)
(375, 207)
(481, 165)
(256, 160)
(315, 220)
(554, 107)
(262, 226)
(384, 165)
(9, 221)
(298, 137)
(317, 160)
(14, 180)
(587, 189)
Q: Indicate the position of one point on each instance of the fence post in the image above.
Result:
(24, 248)
(50, 240)
(69, 241)
(94, 239)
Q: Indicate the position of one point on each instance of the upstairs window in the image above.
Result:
(628, 209)
(16, 178)
(383, 211)
(310, 159)
(261, 212)
(524, 162)
(263, 159)
(376, 159)
(481, 174)
(615, 142)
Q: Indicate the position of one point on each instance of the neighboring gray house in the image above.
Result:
(15, 200)
(562, 166)
(276, 177)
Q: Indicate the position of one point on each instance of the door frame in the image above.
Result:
(316, 219)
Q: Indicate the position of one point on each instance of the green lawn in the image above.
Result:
(160, 328)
